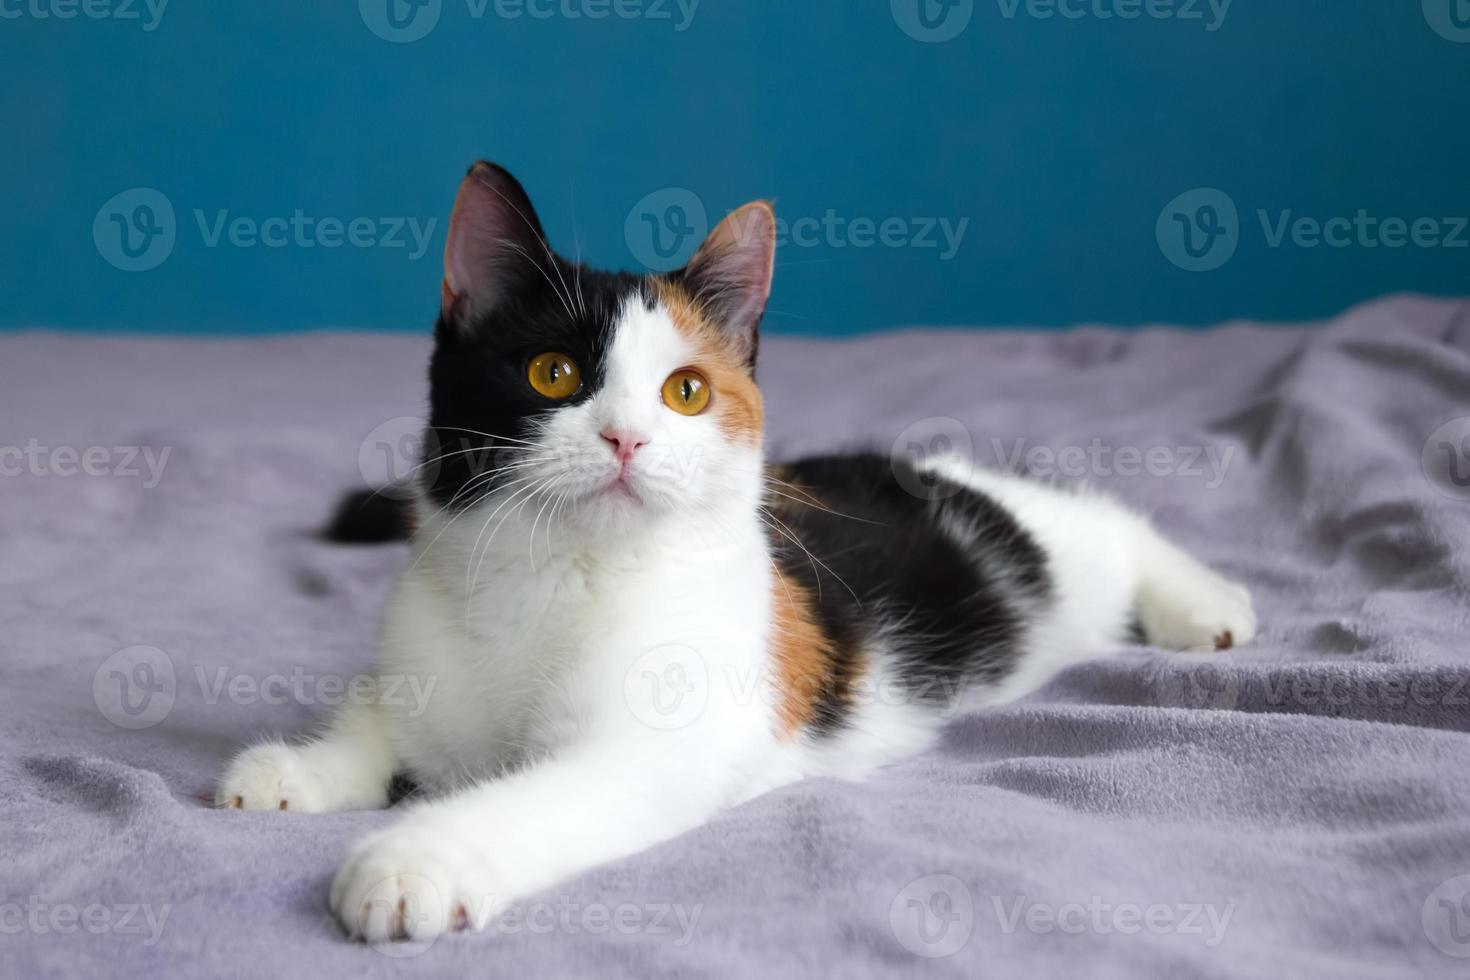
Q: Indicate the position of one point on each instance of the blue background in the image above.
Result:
(1061, 141)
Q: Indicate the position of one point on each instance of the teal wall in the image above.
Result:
(1066, 148)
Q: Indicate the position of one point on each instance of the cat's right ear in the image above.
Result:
(495, 241)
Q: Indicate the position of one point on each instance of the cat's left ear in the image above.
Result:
(730, 274)
(494, 247)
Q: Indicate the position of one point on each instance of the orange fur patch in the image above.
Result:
(736, 402)
(806, 669)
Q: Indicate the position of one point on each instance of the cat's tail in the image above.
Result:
(369, 517)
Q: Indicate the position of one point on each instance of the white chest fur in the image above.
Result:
(531, 648)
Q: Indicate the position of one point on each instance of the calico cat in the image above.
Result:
(634, 622)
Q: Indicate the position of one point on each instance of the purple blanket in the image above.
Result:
(1298, 808)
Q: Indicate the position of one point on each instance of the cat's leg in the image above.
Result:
(1108, 565)
(348, 767)
(454, 863)
(1181, 603)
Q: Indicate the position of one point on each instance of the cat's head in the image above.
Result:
(615, 398)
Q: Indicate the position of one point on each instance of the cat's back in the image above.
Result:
(888, 526)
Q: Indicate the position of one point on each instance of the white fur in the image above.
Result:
(550, 615)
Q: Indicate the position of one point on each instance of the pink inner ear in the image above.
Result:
(492, 230)
(732, 270)
(469, 252)
(465, 262)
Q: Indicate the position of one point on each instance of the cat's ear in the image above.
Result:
(730, 274)
(495, 241)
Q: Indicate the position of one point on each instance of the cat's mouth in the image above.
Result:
(620, 487)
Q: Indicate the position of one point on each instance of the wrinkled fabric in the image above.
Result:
(1296, 808)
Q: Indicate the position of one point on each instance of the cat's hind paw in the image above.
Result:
(1197, 610)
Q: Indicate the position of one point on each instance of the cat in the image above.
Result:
(635, 622)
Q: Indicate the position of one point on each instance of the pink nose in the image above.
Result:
(624, 444)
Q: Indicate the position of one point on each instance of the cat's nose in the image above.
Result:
(624, 442)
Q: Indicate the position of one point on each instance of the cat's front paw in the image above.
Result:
(273, 776)
(415, 881)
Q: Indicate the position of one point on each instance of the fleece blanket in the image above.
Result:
(1297, 808)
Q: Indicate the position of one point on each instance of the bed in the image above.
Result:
(1296, 808)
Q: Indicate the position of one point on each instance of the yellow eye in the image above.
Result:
(554, 375)
(686, 392)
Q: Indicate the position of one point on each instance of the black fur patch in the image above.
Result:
(481, 405)
(948, 581)
(367, 517)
